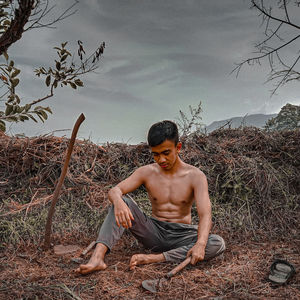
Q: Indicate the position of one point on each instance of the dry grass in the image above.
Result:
(254, 183)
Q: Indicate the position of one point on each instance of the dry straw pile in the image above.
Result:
(254, 176)
(254, 183)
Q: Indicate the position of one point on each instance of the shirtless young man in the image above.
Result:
(172, 186)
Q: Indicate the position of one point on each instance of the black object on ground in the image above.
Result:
(154, 285)
(281, 272)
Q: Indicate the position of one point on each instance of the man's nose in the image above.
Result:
(162, 159)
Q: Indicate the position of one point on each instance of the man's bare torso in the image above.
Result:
(171, 196)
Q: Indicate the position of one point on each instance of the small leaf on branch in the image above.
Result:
(23, 118)
(11, 64)
(32, 118)
(43, 114)
(48, 109)
(17, 99)
(15, 73)
(73, 85)
(48, 80)
(8, 109)
(3, 78)
(15, 109)
(13, 119)
(6, 57)
(19, 109)
(78, 82)
(27, 107)
(11, 98)
(2, 126)
(55, 83)
(14, 82)
(39, 115)
(58, 65)
(64, 57)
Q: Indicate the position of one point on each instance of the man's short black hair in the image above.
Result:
(161, 131)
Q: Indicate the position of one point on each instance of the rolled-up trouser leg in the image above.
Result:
(214, 247)
(142, 227)
(109, 232)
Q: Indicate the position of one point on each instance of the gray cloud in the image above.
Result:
(161, 56)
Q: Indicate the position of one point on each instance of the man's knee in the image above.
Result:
(215, 246)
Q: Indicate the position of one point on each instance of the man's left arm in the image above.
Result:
(203, 206)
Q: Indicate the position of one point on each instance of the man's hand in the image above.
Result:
(123, 214)
(197, 252)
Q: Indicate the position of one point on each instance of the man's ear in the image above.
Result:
(179, 145)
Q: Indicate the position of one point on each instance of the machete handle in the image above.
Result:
(179, 267)
(88, 249)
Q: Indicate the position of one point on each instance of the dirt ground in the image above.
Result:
(28, 272)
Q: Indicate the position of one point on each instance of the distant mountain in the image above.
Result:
(256, 120)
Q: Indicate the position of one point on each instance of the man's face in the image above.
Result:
(166, 153)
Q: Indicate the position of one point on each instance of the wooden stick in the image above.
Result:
(88, 248)
(179, 267)
(80, 119)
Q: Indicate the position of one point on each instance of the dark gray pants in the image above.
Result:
(174, 240)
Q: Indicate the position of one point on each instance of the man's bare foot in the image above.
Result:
(143, 259)
(91, 267)
(96, 261)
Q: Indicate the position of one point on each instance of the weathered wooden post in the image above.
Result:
(80, 119)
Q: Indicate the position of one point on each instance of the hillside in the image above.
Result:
(256, 120)
(254, 185)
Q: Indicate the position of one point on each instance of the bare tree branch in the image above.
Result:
(286, 12)
(274, 33)
(16, 28)
(270, 48)
(65, 71)
(266, 54)
(43, 12)
(271, 17)
(33, 14)
(286, 75)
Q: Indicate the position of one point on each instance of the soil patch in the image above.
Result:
(240, 273)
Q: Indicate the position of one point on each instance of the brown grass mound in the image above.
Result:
(254, 176)
(254, 183)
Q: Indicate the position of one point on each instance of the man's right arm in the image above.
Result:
(123, 214)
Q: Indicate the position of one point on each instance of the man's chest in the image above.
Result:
(171, 190)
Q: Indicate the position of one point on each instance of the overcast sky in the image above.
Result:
(161, 57)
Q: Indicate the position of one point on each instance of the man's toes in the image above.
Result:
(82, 269)
(78, 271)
